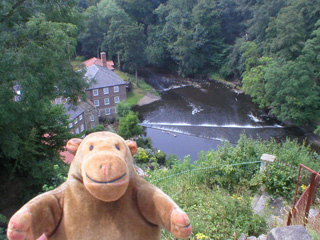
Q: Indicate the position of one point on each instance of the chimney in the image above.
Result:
(103, 59)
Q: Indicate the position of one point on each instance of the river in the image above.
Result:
(200, 115)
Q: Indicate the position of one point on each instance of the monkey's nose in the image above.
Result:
(106, 167)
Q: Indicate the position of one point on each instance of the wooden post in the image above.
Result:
(265, 158)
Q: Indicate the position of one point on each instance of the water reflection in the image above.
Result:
(194, 117)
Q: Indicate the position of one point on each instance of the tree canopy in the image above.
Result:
(38, 39)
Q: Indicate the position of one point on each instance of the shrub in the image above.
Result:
(4, 220)
(144, 142)
(123, 109)
(161, 157)
(141, 156)
(129, 126)
(215, 213)
(96, 128)
(60, 176)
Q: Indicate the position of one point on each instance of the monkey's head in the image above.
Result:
(103, 162)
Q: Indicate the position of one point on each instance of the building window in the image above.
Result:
(75, 121)
(108, 112)
(106, 90)
(116, 89)
(96, 103)
(77, 131)
(116, 99)
(106, 101)
(70, 125)
(99, 113)
(80, 117)
(92, 118)
(82, 127)
(95, 92)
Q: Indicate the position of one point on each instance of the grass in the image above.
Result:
(215, 213)
(138, 91)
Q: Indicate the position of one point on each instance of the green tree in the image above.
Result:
(92, 35)
(254, 82)
(292, 90)
(38, 39)
(123, 109)
(190, 33)
(129, 126)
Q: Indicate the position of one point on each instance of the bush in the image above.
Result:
(123, 109)
(141, 156)
(144, 142)
(161, 157)
(129, 126)
(215, 213)
(96, 128)
(4, 220)
(61, 173)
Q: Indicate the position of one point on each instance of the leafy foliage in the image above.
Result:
(38, 38)
(129, 126)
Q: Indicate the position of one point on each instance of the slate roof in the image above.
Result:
(97, 61)
(103, 76)
(73, 111)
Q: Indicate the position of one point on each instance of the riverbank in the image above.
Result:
(141, 93)
(148, 99)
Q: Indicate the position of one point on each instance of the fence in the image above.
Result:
(305, 210)
(221, 174)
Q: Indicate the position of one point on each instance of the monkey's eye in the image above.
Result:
(91, 147)
(117, 147)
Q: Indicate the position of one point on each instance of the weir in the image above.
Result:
(202, 115)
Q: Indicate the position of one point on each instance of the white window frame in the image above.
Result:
(99, 112)
(70, 125)
(77, 131)
(80, 117)
(116, 99)
(108, 111)
(82, 128)
(97, 103)
(107, 101)
(75, 121)
(92, 118)
(106, 90)
(116, 89)
(95, 92)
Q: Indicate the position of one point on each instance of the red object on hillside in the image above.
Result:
(100, 61)
(66, 157)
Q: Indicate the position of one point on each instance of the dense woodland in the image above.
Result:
(271, 47)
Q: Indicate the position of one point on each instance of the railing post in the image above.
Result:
(311, 192)
(265, 158)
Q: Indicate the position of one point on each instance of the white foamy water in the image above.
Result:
(174, 131)
(209, 125)
(254, 118)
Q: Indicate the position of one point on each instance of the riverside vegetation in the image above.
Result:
(271, 47)
(218, 197)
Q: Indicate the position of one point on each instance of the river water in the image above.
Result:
(201, 115)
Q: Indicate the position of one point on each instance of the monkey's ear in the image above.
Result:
(132, 146)
(73, 144)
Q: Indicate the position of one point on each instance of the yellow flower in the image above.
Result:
(201, 236)
(303, 187)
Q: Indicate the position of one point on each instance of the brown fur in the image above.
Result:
(103, 198)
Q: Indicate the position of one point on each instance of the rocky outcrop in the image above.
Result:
(282, 233)
(289, 233)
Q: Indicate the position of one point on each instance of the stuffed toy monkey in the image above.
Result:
(103, 198)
